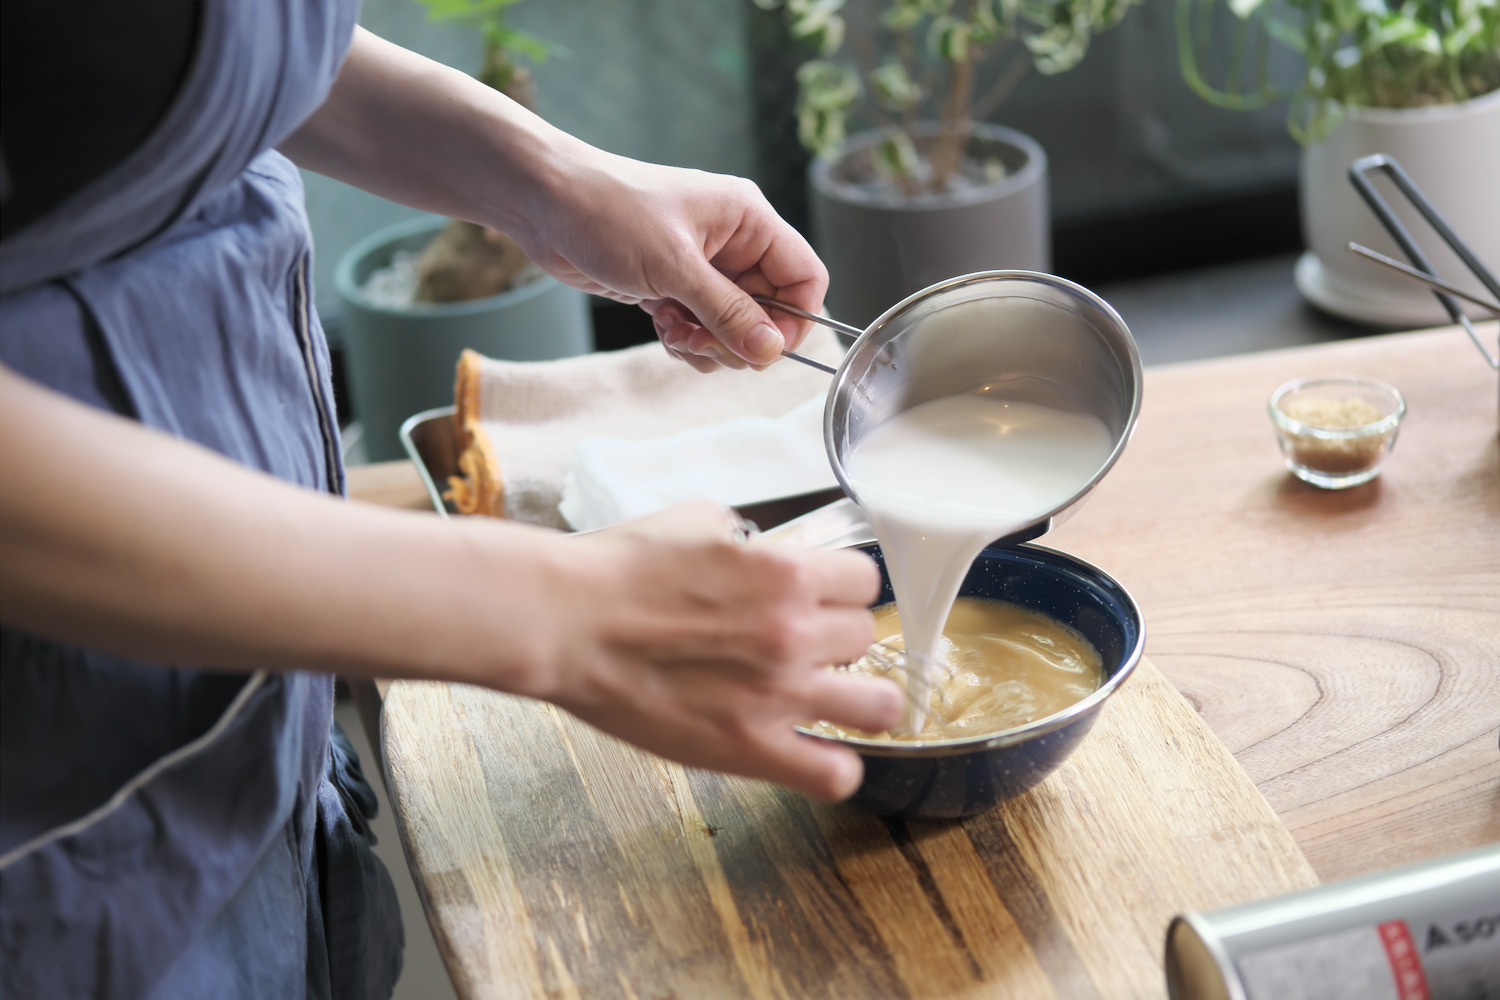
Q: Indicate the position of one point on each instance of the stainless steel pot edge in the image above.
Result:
(1020, 734)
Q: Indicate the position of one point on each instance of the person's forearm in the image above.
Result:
(689, 246)
(420, 133)
(120, 537)
(663, 631)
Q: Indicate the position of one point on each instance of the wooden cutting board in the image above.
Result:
(559, 862)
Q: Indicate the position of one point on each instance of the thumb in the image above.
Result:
(729, 313)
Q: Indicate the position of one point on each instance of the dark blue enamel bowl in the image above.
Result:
(949, 779)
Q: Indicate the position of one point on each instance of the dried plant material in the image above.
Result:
(467, 261)
(1340, 454)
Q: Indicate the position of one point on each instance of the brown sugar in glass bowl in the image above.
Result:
(1336, 430)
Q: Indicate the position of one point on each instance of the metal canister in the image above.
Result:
(1428, 931)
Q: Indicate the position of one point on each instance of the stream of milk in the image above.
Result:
(945, 478)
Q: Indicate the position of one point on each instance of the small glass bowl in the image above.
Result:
(1312, 417)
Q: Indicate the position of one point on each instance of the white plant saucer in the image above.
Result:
(1379, 303)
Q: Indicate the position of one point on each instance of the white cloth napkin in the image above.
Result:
(738, 462)
(534, 412)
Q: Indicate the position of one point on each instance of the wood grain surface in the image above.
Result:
(389, 484)
(559, 862)
(1344, 645)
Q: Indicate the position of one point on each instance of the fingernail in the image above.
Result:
(763, 342)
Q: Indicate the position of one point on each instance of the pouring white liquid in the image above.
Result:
(942, 480)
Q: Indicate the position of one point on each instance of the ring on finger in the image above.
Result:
(740, 530)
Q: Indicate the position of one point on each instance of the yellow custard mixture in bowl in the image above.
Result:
(1041, 640)
(1001, 666)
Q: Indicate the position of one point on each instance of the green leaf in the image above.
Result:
(833, 35)
(460, 10)
(985, 26)
(896, 156)
(513, 41)
(1060, 47)
(1398, 30)
(902, 16)
(821, 132)
(1454, 44)
(826, 86)
(948, 38)
(825, 91)
(1286, 33)
(893, 88)
(810, 17)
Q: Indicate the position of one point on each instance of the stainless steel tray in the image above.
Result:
(429, 439)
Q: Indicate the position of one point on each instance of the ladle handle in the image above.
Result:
(834, 324)
(809, 362)
(1415, 275)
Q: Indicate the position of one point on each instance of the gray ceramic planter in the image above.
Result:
(401, 360)
(881, 248)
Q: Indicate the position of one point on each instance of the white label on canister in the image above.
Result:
(1438, 960)
(1462, 957)
(1348, 965)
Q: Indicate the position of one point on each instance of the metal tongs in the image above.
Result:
(1423, 272)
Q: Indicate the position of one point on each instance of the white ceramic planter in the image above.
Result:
(402, 359)
(880, 249)
(1452, 152)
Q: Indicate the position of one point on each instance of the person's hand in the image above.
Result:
(709, 651)
(689, 247)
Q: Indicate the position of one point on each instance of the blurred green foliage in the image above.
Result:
(926, 64)
(1366, 53)
(501, 42)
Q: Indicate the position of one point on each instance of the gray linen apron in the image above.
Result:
(167, 831)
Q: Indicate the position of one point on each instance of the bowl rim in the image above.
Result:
(1292, 425)
(1019, 734)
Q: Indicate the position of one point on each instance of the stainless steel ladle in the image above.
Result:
(1037, 337)
(832, 324)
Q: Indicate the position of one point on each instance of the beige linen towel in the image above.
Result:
(518, 421)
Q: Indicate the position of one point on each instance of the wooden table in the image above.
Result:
(1344, 646)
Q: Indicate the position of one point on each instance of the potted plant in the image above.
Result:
(416, 294)
(1418, 81)
(928, 190)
